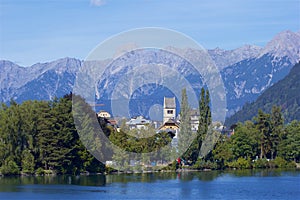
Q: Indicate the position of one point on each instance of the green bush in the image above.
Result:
(198, 164)
(40, 171)
(243, 163)
(28, 162)
(231, 164)
(291, 164)
(202, 164)
(171, 166)
(280, 162)
(240, 163)
(9, 168)
(50, 172)
(261, 163)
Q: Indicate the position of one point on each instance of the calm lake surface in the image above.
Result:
(186, 185)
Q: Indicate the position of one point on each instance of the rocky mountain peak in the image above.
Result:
(60, 65)
(224, 58)
(284, 44)
(8, 65)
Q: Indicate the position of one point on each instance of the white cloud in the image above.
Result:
(97, 2)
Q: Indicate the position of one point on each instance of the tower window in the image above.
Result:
(170, 111)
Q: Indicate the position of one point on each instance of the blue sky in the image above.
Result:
(34, 31)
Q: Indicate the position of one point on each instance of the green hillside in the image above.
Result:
(285, 93)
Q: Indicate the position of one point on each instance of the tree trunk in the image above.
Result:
(261, 151)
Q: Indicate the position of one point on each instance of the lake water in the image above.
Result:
(186, 185)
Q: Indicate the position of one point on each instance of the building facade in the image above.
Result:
(138, 123)
(194, 119)
(169, 111)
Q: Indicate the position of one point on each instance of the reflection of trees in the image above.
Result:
(208, 176)
(95, 180)
(141, 177)
(102, 180)
(153, 177)
(9, 184)
(259, 172)
(241, 173)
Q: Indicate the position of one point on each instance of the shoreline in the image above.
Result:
(185, 170)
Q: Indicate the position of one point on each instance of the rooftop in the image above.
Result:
(169, 102)
(138, 120)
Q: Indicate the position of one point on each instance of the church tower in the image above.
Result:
(169, 109)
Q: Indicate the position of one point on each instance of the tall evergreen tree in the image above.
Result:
(193, 151)
(202, 128)
(185, 126)
(205, 113)
(264, 127)
(204, 119)
(207, 109)
(277, 123)
(46, 134)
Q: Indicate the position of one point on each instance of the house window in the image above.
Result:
(170, 111)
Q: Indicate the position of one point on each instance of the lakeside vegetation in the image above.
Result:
(264, 142)
(39, 137)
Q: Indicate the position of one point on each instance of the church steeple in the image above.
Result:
(169, 109)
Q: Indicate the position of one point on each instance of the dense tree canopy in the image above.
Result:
(40, 137)
(263, 142)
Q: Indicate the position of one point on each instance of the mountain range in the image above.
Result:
(285, 93)
(246, 72)
(246, 80)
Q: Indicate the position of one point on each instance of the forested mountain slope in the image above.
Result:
(285, 93)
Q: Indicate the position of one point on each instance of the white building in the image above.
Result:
(169, 109)
(194, 119)
(138, 123)
(104, 114)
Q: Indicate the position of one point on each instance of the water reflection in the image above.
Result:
(147, 177)
(239, 184)
(262, 173)
(12, 183)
